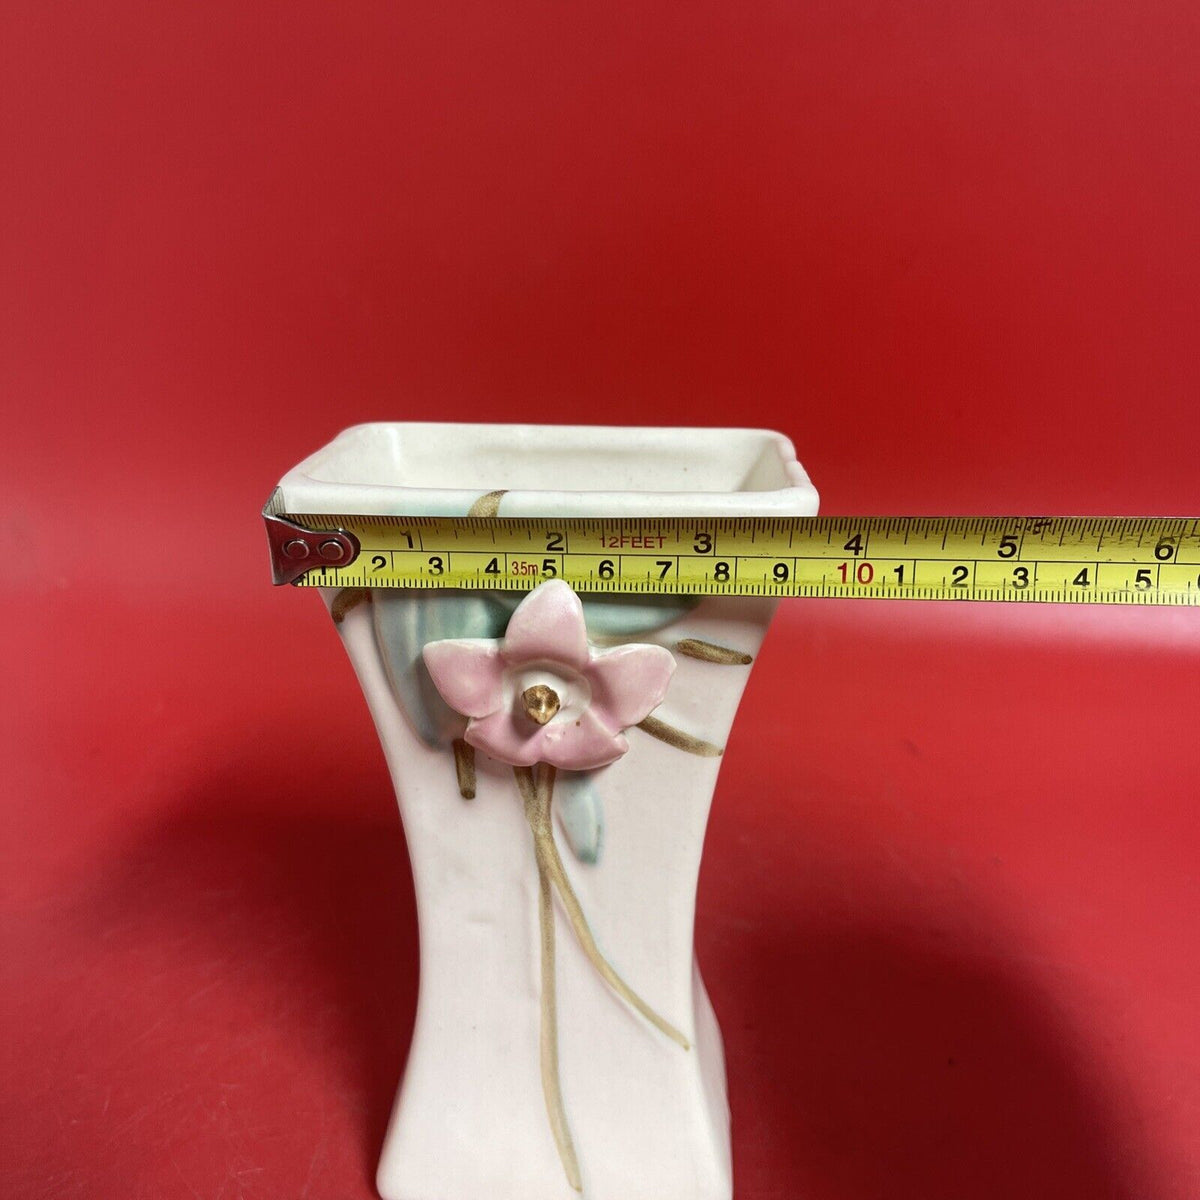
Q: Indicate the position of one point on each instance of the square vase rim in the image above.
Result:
(303, 490)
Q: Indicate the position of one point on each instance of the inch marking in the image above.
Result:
(1081, 560)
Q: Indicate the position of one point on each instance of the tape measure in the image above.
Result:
(1071, 560)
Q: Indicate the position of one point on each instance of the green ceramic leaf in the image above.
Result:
(405, 621)
(617, 616)
(581, 814)
(622, 616)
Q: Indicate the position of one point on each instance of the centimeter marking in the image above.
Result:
(1074, 560)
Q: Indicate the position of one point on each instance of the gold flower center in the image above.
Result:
(541, 703)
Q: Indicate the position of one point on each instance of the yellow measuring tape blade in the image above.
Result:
(1074, 560)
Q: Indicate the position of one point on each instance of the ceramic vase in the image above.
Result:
(554, 757)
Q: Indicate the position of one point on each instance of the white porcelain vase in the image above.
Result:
(564, 1042)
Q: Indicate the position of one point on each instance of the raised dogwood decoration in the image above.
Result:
(538, 699)
(522, 739)
(541, 694)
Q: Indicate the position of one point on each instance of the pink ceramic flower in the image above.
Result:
(542, 694)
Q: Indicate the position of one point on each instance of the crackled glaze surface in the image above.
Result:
(639, 1117)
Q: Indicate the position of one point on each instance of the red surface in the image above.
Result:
(949, 906)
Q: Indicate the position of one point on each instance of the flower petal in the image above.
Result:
(629, 682)
(580, 745)
(508, 738)
(548, 624)
(469, 674)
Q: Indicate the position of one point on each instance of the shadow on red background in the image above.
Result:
(950, 249)
(868, 1057)
(885, 1067)
(304, 913)
(942, 928)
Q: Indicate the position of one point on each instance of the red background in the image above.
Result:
(948, 909)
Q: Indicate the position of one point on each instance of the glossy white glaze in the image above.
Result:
(551, 470)
(650, 1120)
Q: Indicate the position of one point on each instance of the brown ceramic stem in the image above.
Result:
(537, 795)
